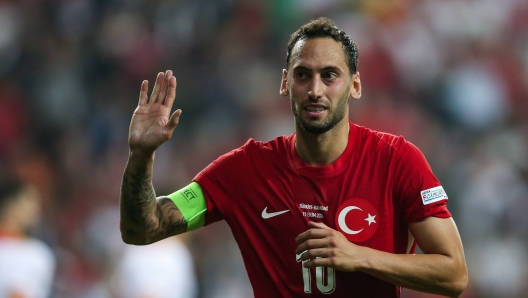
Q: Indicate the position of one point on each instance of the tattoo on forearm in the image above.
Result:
(137, 199)
(140, 208)
(176, 222)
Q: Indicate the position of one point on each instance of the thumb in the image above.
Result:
(174, 120)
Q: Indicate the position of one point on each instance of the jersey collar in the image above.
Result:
(330, 170)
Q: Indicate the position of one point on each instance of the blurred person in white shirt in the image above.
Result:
(162, 270)
(27, 265)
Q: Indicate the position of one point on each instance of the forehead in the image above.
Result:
(318, 52)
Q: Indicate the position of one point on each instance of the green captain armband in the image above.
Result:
(191, 202)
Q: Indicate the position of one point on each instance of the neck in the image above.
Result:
(322, 149)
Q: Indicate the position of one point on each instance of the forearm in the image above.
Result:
(138, 200)
(431, 273)
(145, 219)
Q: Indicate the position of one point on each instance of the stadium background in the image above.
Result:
(450, 76)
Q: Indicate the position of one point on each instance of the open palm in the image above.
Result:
(152, 124)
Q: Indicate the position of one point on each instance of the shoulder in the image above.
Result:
(277, 143)
(28, 251)
(25, 245)
(382, 144)
(251, 153)
(253, 147)
(40, 250)
(382, 140)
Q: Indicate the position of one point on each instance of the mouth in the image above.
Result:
(315, 110)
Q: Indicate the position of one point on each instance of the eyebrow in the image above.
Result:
(326, 68)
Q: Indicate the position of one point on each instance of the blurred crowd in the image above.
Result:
(450, 76)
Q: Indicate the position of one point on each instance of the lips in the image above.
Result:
(315, 109)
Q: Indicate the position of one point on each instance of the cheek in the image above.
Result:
(297, 93)
(338, 92)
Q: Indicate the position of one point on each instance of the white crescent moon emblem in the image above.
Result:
(342, 223)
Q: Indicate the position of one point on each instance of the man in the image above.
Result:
(332, 209)
(27, 264)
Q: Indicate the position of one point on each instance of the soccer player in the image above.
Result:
(333, 210)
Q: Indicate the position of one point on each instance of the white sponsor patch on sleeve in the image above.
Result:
(432, 195)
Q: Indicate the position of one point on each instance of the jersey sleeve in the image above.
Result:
(420, 193)
(219, 182)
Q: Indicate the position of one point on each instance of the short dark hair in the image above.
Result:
(325, 27)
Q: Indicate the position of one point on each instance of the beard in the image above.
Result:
(320, 127)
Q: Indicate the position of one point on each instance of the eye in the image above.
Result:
(301, 75)
(330, 75)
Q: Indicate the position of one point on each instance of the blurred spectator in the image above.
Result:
(162, 270)
(27, 264)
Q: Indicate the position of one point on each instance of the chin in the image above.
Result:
(316, 128)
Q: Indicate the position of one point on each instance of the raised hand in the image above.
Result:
(152, 124)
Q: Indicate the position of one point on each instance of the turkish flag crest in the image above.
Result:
(357, 219)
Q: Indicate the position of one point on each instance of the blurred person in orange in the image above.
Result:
(333, 210)
(27, 265)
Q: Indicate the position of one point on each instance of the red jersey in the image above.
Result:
(267, 194)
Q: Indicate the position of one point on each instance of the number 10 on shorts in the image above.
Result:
(324, 276)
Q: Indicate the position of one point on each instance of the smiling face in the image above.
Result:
(319, 84)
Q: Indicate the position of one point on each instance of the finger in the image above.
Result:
(163, 91)
(319, 262)
(174, 120)
(171, 94)
(157, 87)
(316, 253)
(318, 225)
(143, 97)
(311, 244)
(311, 234)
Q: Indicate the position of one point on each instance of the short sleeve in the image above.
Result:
(420, 193)
(219, 183)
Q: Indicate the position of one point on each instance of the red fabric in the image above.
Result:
(383, 169)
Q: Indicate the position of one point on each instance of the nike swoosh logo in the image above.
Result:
(267, 215)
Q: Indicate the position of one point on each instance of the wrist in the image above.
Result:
(363, 263)
(141, 155)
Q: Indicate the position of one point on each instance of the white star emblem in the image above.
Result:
(371, 219)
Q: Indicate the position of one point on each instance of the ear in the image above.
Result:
(355, 90)
(284, 90)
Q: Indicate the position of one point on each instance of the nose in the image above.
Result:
(316, 89)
